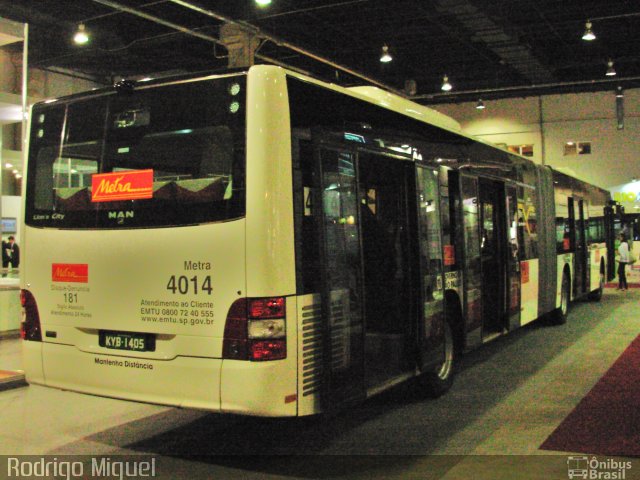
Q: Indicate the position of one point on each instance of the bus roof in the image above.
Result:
(408, 107)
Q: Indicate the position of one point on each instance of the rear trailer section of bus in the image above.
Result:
(134, 281)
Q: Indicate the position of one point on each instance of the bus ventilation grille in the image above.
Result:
(311, 349)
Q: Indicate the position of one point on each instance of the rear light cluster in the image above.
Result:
(30, 324)
(255, 330)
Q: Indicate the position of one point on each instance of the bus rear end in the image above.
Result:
(134, 278)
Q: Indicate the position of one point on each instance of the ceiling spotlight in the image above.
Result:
(263, 3)
(446, 86)
(619, 92)
(588, 33)
(81, 37)
(385, 56)
(610, 70)
(480, 105)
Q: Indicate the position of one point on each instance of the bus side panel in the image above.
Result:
(270, 235)
(598, 254)
(546, 224)
(183, 381)
(529, 274)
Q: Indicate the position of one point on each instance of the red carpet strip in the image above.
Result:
(607, 419)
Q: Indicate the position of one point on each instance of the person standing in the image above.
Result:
(623, 252)
(5, 257)
(13, 253)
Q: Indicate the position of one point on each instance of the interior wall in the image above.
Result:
(45, 84)
(11, 208)
(7, 79)
(548, 122)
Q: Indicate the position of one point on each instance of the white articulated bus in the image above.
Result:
(264, 243)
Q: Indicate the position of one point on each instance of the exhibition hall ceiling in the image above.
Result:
(487, 49)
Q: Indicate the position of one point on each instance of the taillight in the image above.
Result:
(234, 345)
(255, 330)
(267, 307)
(30, 325)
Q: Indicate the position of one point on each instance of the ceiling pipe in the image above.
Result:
(282, 43)
(249, 28)
(153, 18)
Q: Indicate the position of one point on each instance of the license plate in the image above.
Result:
(136, 342)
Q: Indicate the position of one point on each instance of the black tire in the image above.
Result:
(596, 295)
(438, 381)
(560, 314)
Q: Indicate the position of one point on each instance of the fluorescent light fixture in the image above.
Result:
(610, 70)
(81, 37)
(446, 86)
(385, 56)
(263, 3)
(588, 33)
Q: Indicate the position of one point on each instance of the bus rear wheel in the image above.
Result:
(436, 382)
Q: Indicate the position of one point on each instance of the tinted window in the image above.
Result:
(188, 139)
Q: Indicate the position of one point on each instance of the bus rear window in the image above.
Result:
(160, 156)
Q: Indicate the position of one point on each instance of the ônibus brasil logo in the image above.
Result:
(592, 468)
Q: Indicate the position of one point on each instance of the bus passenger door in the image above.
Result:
(335, 192)
(575, 239)
(472, 277)
(513, 261)
(581, 254)
(492, 255)
(431, 330)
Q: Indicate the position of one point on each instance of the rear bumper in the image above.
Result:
(181, 382)
(226, 386)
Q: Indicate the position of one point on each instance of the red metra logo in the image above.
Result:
(111, 187)
(70, 272)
